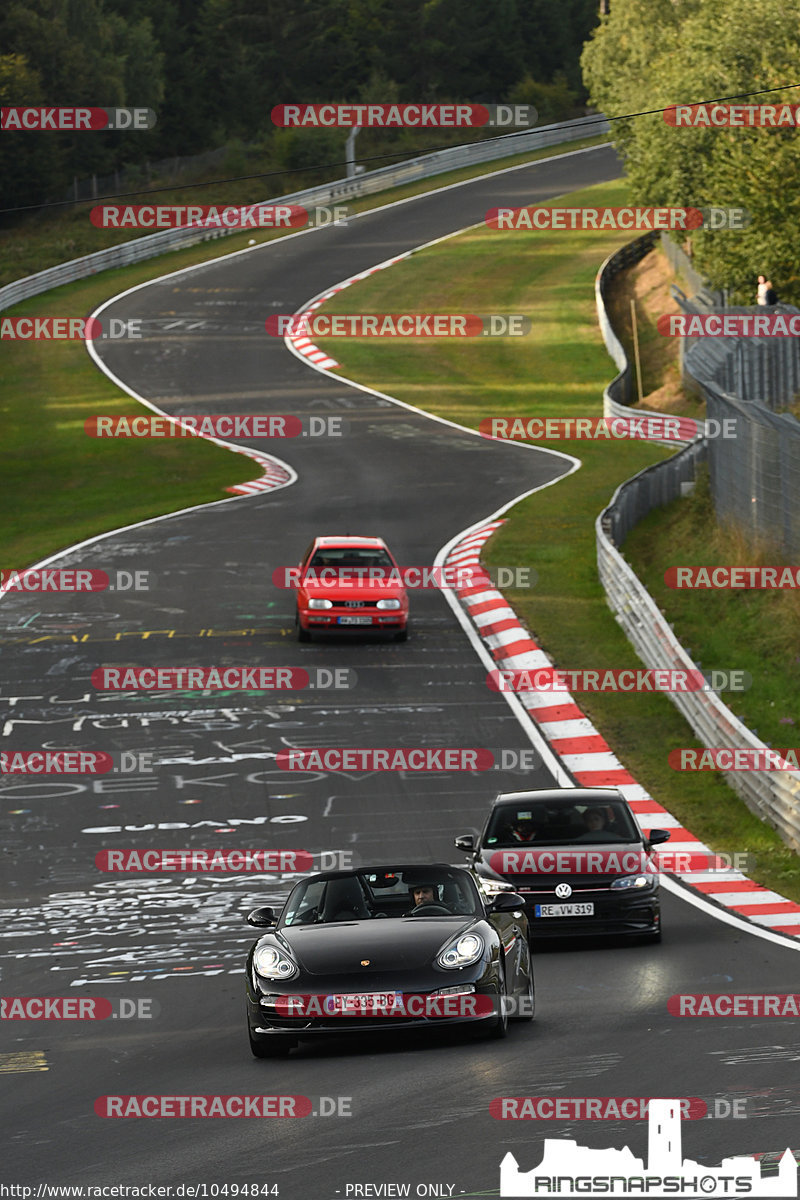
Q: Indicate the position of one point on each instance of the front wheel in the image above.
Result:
(526, 1003)
(302, 634)
(500, 1028)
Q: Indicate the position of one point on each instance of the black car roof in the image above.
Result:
(507, 799)
(376, 868)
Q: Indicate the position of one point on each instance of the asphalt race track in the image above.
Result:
(415, 1112)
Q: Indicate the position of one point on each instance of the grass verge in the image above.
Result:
(65, 486)
(559, 370)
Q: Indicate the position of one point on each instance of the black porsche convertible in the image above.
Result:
(386, 948)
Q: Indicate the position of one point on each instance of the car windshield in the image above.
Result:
(561, 823)
(383, 894)
(350, 557)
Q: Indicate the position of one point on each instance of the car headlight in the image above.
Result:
(493, 887)
(320, 604)
(463, 951)
(388, 604)
(272, 963)
(632, 881)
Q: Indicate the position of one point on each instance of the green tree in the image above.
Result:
(652, 53)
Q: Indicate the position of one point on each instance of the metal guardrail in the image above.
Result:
(620, 394)
(774, 796)
(152, 244)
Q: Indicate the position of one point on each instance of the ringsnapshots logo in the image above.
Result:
(220, 425)
(398, 325)
(74, 119)
(74, 579)
(403, 116)
(216, 216)
(203, 679)
(570, 1170)
(623, 679)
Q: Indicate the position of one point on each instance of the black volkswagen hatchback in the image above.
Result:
(385, 948)
(577, 857)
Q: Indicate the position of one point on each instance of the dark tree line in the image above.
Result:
(213, 69)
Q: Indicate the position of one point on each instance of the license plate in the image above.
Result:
(358, 1002)
(354, 620)
(564, 910)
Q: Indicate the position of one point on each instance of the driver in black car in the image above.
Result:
(423, 894)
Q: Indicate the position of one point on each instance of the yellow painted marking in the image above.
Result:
(24, 1060)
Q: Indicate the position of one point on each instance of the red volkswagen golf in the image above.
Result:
(350, 583)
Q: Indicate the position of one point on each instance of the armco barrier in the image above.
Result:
(152, 244)
(619, 394)
(772, 795)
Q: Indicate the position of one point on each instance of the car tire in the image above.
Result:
(527, 1001)
(302, 634)
(274, 1046)
(402, 635)
(499, 1029)
(652, 938)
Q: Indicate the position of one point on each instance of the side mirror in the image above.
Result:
(262, 918)
(465, 842)
(506, 902)
(657, 836)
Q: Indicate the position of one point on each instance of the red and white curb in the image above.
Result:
(275, 475)
(588, 757)
(302, 344)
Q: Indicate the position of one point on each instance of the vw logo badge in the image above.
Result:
(563, 890)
